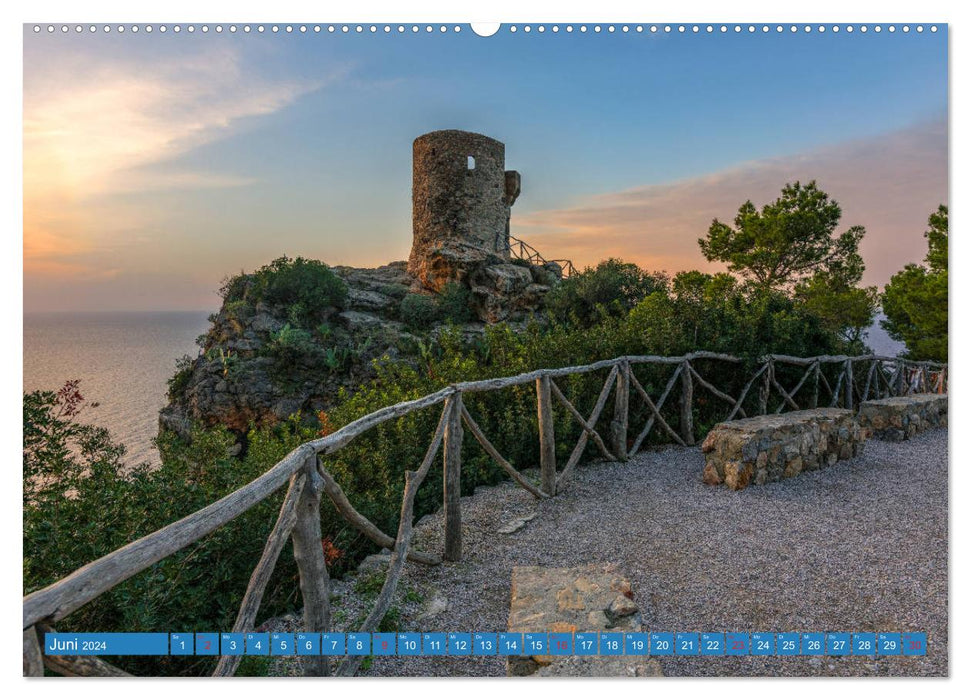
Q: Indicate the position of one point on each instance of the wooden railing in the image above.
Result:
(306, 477)
(521, 250)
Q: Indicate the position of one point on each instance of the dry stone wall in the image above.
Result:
(770, 448)
(902, 417)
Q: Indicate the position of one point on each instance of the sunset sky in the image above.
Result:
(157, 164)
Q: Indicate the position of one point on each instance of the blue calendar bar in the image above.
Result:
(561, 644)
(839, 643)
(459, 644)
(488, 644)
(535, 643)
(181, 644)
(864, 644)
(611, 644)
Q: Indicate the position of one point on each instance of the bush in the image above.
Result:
(293, 346)
(306, 288)
(611, 289)
(454, 303)
(419, 312)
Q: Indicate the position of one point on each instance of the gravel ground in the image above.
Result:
(860, 546)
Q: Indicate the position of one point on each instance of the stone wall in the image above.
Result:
(770, 448)
(902, 417)
(461, 197)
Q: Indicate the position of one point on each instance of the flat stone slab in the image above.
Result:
(516, 524)
(591, 598)
(902, 417)
(779, 446)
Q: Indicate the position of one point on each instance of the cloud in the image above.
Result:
(889, 184)
(94, 128)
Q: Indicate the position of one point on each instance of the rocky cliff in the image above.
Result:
(266, 357)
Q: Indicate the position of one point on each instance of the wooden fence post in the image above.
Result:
(618, 426)
(869, 380)
(33, 658)
(547, 440)
(453, 480)
(816, 371)
(765, 388)
(848, 401)
(687, 399)
(308, 551)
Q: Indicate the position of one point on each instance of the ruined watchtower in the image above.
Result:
(461, 196)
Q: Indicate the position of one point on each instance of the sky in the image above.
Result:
(156, 165)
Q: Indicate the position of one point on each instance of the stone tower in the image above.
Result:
(461, 197)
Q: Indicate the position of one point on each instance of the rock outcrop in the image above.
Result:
(241, 379)
(257, 368)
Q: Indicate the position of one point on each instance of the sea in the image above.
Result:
(124, 361)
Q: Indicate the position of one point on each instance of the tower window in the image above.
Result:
(471, 162)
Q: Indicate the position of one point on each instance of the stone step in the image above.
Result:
(591, 598)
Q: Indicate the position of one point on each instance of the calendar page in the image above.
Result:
(533, 349)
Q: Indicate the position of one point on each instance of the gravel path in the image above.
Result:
(860, 546)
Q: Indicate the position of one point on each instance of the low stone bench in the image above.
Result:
(770, 448)
(902, 417)
(592, 598)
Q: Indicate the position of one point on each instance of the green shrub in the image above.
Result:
(290, 346)
(419, 311)
(238, 309)
(454, 303)
(612, 288)
(306, 288)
